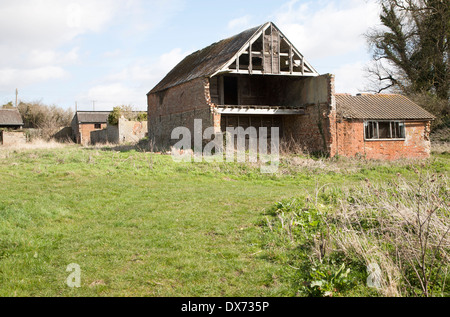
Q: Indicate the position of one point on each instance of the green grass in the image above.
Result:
(139, 224)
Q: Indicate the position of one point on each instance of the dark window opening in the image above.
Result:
(257, 63)
(379, 130)
(98, 126)
(285, 64)
(230, 88)
(258, 45)
(384, 130)
(244, 62)
(284, 47)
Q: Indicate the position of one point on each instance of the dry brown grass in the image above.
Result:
(36, 144)
(440, 147)
(404, 228)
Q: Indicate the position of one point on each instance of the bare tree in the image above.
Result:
(48, 119)
(411, 49)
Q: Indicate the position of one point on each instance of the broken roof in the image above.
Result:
(380, 107)
(217, 57)
(92, 116)
(10, 117)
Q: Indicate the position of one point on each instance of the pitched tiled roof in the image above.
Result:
(10, 117)
(380, 107)
(205, 62)
(93, 116)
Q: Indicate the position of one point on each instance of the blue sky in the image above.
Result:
(112, 52)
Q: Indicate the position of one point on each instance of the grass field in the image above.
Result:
(139, 224)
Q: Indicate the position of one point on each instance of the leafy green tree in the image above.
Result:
(127, 112)
(118, 112)
(114, 116)
(142, 117)
(8, 105)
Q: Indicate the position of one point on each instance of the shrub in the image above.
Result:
(48, 119)
(401, 228)
(127, 112)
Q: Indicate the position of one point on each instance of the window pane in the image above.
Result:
(394, 129)
(366, 130)
(371, 130)
(384, 129)
(402, 133)
(398, 130)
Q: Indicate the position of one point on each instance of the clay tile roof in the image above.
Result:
(380, 107)
(205, 62)
(10, 117)
(93, 116)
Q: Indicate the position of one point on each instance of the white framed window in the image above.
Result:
(384, 130)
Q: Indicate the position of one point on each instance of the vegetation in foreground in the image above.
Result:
(392, 236)
(139, 224)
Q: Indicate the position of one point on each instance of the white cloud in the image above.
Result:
(336, 28)
(50, 23)
(143, 70)
(23, 77)
(350, 78)
(108, 96)
(239, 23)
(147, 15)
(113, 53)
(46, 35)
(330, 34)
(130, 85)
(39, 58)
(33, 33)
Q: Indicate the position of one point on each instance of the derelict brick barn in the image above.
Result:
(258, 78)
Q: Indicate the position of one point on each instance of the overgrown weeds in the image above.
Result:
(338, 237)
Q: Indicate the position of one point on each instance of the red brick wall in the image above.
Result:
(85, 132)
(351, 143)
(178, 107)
(314, 131)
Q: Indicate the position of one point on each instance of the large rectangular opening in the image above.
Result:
(256, 90)
(230, 89)
(246, 121)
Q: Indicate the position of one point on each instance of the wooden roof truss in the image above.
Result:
(269, 52)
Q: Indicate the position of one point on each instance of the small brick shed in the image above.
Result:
(10, 119)
(11, 125)
(85, 122)
(258, 78)
(384, 126)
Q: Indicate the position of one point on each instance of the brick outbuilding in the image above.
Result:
(85, 122)
(11, 125)
(259, 79)
(382, 127)
(10, 119)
